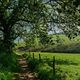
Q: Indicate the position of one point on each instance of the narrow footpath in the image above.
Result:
(25, 73)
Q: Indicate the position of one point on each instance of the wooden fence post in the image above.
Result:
(39, 57)
(54, 66)
(33, 55)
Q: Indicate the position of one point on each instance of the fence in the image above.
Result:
(40, 59)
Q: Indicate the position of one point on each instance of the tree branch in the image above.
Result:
(1, 29)
(20, 24)
(28, 21)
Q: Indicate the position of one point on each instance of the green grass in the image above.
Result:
(5, 75)
(68, 64)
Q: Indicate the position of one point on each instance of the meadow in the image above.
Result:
(67, 65)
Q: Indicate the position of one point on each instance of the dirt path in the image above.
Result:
(25, 73)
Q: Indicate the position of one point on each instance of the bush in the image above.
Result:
(9, 62)
(33, 63)
(14, 67)
(71, 47)
(5, 76)
(44, 72)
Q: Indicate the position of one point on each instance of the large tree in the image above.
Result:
(15, 15)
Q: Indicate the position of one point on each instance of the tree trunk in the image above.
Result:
(6, 57)
(7, 40)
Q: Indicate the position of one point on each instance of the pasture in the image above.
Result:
(67, 65)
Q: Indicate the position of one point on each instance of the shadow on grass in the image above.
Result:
(61, 62)
(66, 62)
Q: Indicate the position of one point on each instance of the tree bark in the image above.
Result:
(7, 40)
(6, 57)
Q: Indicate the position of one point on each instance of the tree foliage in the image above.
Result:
(15, 17)
(68, 16)
(19, 16)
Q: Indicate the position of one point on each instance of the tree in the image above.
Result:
(14, 17)
(67, 16)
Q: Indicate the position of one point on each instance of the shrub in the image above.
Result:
(5, 76)
(33, 63)
(8, 62)
(14, 67)
(44, 72)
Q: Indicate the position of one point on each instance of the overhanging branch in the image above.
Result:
(28, 21)
(1, 29)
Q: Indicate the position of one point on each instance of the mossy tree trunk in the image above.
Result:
(6, 55)
(7, 40)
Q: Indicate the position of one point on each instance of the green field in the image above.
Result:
(67, 64)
